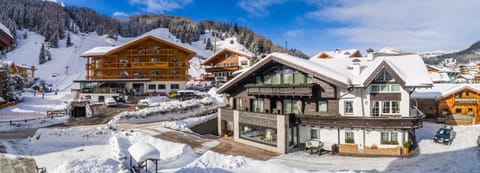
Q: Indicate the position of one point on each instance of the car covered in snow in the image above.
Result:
(444, 135)
(110, 102)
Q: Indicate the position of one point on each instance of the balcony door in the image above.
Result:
(375, 108)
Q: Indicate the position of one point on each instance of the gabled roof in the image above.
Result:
(439, 77)
(215, 55)
(314, 69)
(341, 54)
(439, 91)
(408, 70)
(101, 51)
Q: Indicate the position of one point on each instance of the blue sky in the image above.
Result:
(316, 25)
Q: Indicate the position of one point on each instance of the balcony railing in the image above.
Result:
(152, 77)
(280, 90)
(361, 122)
(222, 69)
(465, 100)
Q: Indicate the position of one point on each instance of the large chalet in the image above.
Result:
(6, 38)
(146, 65)
(361, 104)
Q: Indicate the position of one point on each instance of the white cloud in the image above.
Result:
(294, 33)
(258, 8)
(160, 6)
(408, 24)
(119, 14)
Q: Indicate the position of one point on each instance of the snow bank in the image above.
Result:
(87, 166)
(185, 124)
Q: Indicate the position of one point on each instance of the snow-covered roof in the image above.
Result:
(246, 54)
(410, 70)
(339, 54)
(98, 51)
(441, 90)
(5, 30)
(439, 77)
(143, 151)
(465, 76)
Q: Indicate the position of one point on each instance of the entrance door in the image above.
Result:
(138, 88)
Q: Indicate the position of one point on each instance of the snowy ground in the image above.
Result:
(100, 149)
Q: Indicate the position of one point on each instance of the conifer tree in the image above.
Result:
(41, 58)
(69, 40)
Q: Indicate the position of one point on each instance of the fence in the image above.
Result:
(20, 116)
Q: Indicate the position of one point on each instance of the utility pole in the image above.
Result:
(286, 47)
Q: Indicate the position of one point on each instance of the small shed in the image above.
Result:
(141, 153)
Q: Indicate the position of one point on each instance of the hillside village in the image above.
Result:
(158, 103)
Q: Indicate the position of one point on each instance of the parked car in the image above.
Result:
(183, 94)
(444, 135)
(110, 102)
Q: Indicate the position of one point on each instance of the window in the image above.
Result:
(395, 107)
(314, 133)
(467, 93)
(292, 106)
(299, 78)
(375, 109)
(174, 86)
(349, 138)
(287, 77)
(155, 59)
(386, 107)
(276, 77)
(385, 88)
(389, 138)
(348, 107)
(470, 111)
(161, 86)
(458, 111)
(267, 79)
(445, 112)
(263, 135)
(173, 72)
(136, 60)
(259, 79)
(257, 105)
(384, 76)
(152, 86)
(238, 103)
(310, 79)
(101, 98)
(322, 106)
(155, 72)
(173, 59)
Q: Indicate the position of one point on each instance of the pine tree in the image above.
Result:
(69, 40)
(209, 45)
(25, 35)
(41, 58)
(48, 55)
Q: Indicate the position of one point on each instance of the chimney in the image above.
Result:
(370, 56)
(356, 67)
(337, 51)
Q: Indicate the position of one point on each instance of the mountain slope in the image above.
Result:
(471, 54)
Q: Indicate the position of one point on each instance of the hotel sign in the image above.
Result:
(258, 119)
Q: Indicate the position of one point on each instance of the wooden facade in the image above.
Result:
(463, 103)
(146, 58)
(222, 64)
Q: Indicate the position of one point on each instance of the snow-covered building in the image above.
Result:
(450, 103)
(145, 65)
(360, 104)
(464, 78)
(6, 38)
(350, 53)
(222, 64)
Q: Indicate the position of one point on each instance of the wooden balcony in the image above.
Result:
(361, 122)
(465, 101)
(136, 65)
(280, 90)
(222, 69)
(152, 77)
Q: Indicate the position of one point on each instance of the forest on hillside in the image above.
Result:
(54, 21)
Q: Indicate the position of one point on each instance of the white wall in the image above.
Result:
(357, 136)
(325, 134)
(182, 85)
(243, 58)
(94, 96)
(374, 136)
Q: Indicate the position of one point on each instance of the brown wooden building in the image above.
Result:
(220, 66)
(142, 66)
(450, 103)
(6, 39)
